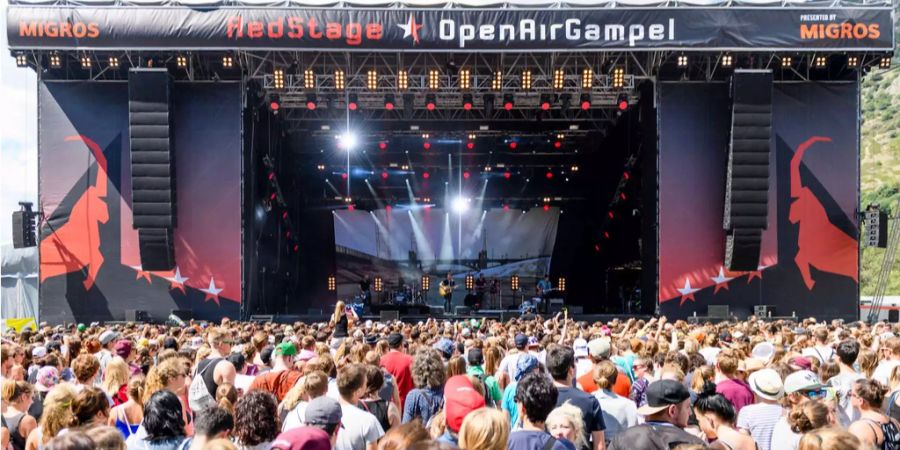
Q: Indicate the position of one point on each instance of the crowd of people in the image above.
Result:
(524, 384)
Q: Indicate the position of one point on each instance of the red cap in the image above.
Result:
(303, 438)
(460, 398)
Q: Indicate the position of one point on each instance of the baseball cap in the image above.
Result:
(533, 342)
(460, 398)
(766, 383)
(445, 346)
(800, 363)
(371, 339)
(303, 438)
(286, 349)
(475, 357)
(395, 340)
(123, 348)
(803, 380)
(39, 352)
(323, 410)
(599, 348)
(581, 348)
(108, 336)
(526, 363)
(661, 394)
(521, 340)
(47, 377)
(81, 327)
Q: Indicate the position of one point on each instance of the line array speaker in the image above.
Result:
(747, 178)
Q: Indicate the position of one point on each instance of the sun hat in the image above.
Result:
(767, 384)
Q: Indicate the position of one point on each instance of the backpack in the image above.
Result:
(199, 397)
(488, 400)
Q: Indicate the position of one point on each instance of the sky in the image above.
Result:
(18, 135)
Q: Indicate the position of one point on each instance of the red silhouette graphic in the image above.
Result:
(75, 246)
(820, 244)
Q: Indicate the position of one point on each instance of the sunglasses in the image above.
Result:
(816, 394)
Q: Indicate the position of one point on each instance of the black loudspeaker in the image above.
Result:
(136, 315)
(23, 229)
(152, 165)
(893, 315)
(747, 179)
(183, 314)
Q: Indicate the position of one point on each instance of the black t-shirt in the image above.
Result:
(653, 437)
(340, 328)
(364, 285)
(591, 413)
(207, 369)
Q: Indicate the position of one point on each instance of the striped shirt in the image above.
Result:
(760, 419)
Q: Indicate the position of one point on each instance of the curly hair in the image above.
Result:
(256, 418)
(807, 416)
(571, 413)
(428, 369)
(538, 396)
(87, 404)
(160, 375)
(85, 368)
(871, 392)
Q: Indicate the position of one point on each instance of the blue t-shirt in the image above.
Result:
(422, 403)
(509, 404)
(535, 440)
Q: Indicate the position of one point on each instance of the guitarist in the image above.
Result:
(446, 291)
(543, 288)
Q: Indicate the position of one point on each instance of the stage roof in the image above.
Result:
(457, 3)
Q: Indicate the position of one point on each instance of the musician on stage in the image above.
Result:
(446, 291)
(480, 290)
(365, 288)
(543, 288)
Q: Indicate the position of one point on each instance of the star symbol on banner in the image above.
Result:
(212, 292)
(177, 280)
(721, 280)
(141, 273)
(756, 273)
(687, 292)
(411, 28)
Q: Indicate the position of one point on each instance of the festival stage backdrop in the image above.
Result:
(90, 261)
(809, 259)
(379, 244)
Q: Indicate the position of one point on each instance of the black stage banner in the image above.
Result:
(177, 28)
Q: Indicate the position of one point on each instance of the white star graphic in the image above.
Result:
(721, 278)
(411, 28)
(212, 292)
(687, 292)
(177, 280)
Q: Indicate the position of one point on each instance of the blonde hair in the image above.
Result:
(484, 429)
(312, 385)
(115, 376)
(571, 413)
(106, 438)
(159, 376)
(830, 439)
(13, 390)
(226, 397)
(338, 310)
(605, 374)
(57, 410)
(867, 360)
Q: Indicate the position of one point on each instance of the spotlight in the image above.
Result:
(467, 102)
(585, 101)
(472, 136)
(508, 101)
(21, 60)
(402, 80)
(682, 60)
(786, 61)
(513, 145)
(426, 283)
(885, 62)
(382, 145)
(546, 101)
(470, 145)
(348, 141)
(460, 204)
(426, 145)
(278, 78)
(434, 79)
(557, 144)
(389, 102)
(311, 101)
(507, 175)
(384, 175)
(574, 169)
(113, 62)
(426, 175)
(618, 77)
(465, 79)
(85, 62)
(622, 102)
(559, 79)
(181, 61)
(321, 167)
(352, 102)
(466, 175)
(339, 80)
(309, 79)
(274, 106)
(372, 80)
(497, 81)
(332, 283)
(430, 102)
(820, 62)
(526, 79)
(561, 285)
(379, 284)
(227, 61)
(55, 61)
(587, 78)
(514, 283)
(852, 61)
(470, 281)
(727, 60)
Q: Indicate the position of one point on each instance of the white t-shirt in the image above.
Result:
(759, 420)
(359, 429)
(508, 364)
(295, 417)
(823, 353)
(619, 413)
(883, 371)
(583, 366)
(782, 436)
(843, 383)
(710, 354)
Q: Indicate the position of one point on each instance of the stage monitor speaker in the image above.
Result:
(183, 314)
(747, 176)
(575, 309)
(262, 318)
(717, 311)
(389, 316)
(136, 315)
(763, 310)
(556, 305)
(893, 315)
(152, 165)
(463, 310)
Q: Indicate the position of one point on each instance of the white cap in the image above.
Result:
(802, 380)
(581, 348)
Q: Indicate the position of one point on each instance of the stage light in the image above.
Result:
(278, 78)
(574, 169)
(622, 102)
(497, 81)
(311, 101)
(682, 61)
(339, 80)
(560, 136)
(513, 145)
(344, 176)
(460, 205)
(430, 102)
(506, 207)
(321, 167)
(426, 283)
(488, 168)
(379, 284)
(546, 207)
(466, 175)
(561, 285)
(426, 175)
(113, 62)
(274, 106)
(425, 135)
(470, 282)
(426, 145)
(348, 142)
(470, 145)
(820, 62)
(402, 80)
(472, 136)
(352, 102)
(622, 196)
(508, 101)
(546, 199)
(626, 175)
(549, 175)
(727, 60)
(467, 102)
(786, 61)
(389, 102)
(559, 79)
(227, 61)
(21, 60)
(372, 80)
(546, 101)
(885, 62)
(284, 215)
(852, 61)
(587, 78)
(465, 79)
(55, 61)
(382, 145)
(434, 79)
(181, 61)
(557, 144)
(526, 80)
(332, 283)
(384, 175)
(404, 167)
(618, 77)
(514, 282)
(309, 79)
(585, 101)
(85, 62)
(507, 175)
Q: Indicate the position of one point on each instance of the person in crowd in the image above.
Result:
(716, 417)
(460, 399)
(798, 387)
(90, 408)
(86, 368)
(387, 413)
(214, 423)
(642, 369)
(808, 416)
(873, 428)
(561, 365)
(890, 359)
(115, 380)
(845, 353)
(107, 342)
(619, 412)
(361, 429)
(492, 394)
(76, 440)
(506, 373)
(599, 350)
(759, 419)
(831, 439)
(326, 414)
(215, 369)
(536, 397)
(293, 408)
(892, 403)
(729, 383)
(821, 349)
(342, 320)
(429, 374)
(565, 422)
(399, 365)
(17, 399)
(127, 417)
(255, 420)
(666, 415)
(56, 417)
(163, 424)
(226, 397)
(302, 438)
(106, 438)
(526, 364)
(283, 376)
(483, 429)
